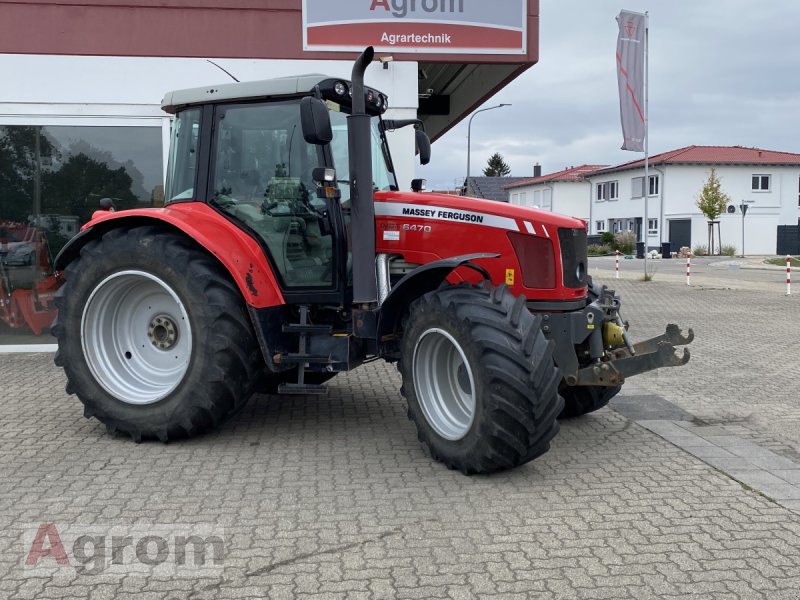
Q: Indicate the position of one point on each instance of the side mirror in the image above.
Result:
(418, 185)
(316, 121)
(424, 146)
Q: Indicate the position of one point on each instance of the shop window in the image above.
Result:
(761, 183)
(51, 181)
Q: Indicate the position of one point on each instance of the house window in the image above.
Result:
(515, 198)
(637, 187)
(600, 226)
(601, 191)
(523, 198)
(761, 183)
(653, 185)
(608, 190)
(652, 226)
(798, 194)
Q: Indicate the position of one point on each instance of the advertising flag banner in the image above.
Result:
(408, 26)
(631, 44)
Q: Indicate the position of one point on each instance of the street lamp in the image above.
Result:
(469, 130)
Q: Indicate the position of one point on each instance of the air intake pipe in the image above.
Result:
(362, 219)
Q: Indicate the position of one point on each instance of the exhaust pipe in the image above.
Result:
(362, 218)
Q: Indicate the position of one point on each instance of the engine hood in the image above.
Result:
(478, 205)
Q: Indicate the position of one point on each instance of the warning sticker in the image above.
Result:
(391, 236)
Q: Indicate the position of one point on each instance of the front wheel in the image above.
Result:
(153, 336)
(479, 378)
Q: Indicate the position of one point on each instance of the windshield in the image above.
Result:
(183, 156)
(382, 176)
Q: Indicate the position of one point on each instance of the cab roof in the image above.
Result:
(245, 90)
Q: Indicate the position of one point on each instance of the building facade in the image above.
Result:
(80, 116)
(767, 181)
(566, 192)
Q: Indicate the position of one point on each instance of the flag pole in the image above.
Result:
(645, 223)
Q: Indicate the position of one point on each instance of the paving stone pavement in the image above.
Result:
(335, 498)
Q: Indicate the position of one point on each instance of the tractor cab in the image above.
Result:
(251, 151)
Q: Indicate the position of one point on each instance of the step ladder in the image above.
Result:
(302, 358)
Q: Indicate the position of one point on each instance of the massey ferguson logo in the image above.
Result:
(402, 8)
(630, 28)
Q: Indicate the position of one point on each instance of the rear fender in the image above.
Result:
(238, 253)
(418, 282)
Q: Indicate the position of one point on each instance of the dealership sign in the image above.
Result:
(430, 26)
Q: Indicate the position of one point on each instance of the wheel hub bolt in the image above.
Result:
(162, 332)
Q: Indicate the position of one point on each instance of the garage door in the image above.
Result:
(680, 233)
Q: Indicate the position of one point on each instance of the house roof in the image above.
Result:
(490, 188)
(570, 174)
(713, 155)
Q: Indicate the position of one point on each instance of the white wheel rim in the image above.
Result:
(136, 337)
(444, 384)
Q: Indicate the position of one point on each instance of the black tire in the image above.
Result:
(501, 345)
(581, 400)
(222, 360)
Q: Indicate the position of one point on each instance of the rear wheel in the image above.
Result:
(479, 378)
(581, 400)
(154, 338)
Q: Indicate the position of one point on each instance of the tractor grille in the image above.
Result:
(573, 256)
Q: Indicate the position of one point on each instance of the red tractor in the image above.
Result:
(285, 254)
(27, 282)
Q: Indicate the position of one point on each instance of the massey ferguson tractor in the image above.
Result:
(286, 253)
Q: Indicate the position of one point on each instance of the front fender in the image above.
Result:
(237, 252)
(421, 280)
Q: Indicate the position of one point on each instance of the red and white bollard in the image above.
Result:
(689, 269)
(616, 268)
(788, 275)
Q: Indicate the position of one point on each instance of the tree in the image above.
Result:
(712, 202)
(496, 166)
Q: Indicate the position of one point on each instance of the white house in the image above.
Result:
(767, 181)
(566, 192)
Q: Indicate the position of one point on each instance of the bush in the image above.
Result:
(700, 251)
(728, 250)
(608, 238)
(625, 242)
(598, 250)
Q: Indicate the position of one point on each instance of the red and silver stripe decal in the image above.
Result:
(443, 213)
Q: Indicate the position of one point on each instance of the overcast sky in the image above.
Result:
(722, 72)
